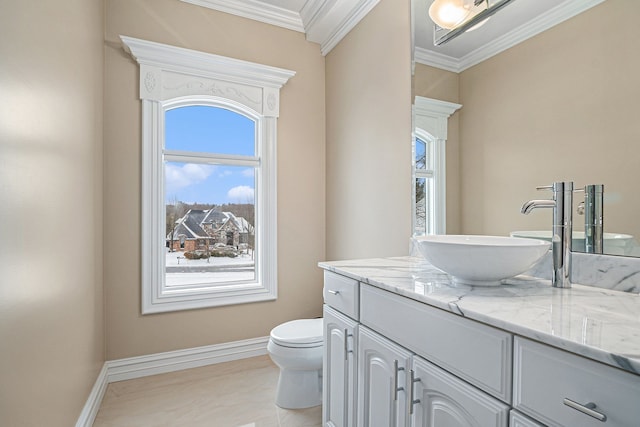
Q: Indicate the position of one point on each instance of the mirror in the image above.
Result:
(559, 106)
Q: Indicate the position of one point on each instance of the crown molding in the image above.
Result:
(436, 59)
(256, 10)
(325, 22)
(549, 19)
(328, 21)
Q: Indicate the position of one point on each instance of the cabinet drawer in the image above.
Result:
(341, 293)
(544, 377)
(474, 352)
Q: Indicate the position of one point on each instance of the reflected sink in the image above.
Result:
(614, 243)
(481, 260)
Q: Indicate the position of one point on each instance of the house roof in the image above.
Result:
(189, 225)
(240, 223)
(192, 223)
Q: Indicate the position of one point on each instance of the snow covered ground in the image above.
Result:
(215, 270)
(177, 258)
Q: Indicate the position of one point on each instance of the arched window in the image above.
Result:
(208, 178)
(212, 185)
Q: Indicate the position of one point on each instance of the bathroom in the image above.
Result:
(347, 114)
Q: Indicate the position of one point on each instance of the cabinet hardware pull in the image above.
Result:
(346, 344)
(413, 401)
(396, 371)
(333, 292)
(587, 408)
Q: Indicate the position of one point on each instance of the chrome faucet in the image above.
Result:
(562, 230)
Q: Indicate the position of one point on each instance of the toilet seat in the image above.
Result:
(301, 333)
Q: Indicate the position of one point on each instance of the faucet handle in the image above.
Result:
(593, 188)
(545, 187)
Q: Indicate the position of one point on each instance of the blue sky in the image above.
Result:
(212, 130)
(420, 153)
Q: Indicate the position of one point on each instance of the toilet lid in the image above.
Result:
(299, 332)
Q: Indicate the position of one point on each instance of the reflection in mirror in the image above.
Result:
(430, 117)
(455, 17)
(561, 105)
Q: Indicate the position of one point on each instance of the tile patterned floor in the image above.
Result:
(231, 394)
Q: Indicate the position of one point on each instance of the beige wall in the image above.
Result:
(560, 106)
(51, 295)
(431, 82)
(368, 137)
(301, 172)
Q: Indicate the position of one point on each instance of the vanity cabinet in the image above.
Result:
(339, 369)
(421, 366)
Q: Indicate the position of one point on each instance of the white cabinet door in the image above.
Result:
(339, 373)
(382, 385)
(441, 400)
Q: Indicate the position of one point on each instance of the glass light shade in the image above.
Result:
(450, 13)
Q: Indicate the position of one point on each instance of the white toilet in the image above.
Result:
(296, 347)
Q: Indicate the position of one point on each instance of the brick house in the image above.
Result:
(200, 229)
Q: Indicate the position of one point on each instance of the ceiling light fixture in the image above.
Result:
(449, 14)
(454, 17)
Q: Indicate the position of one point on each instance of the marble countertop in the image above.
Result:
(599, 324)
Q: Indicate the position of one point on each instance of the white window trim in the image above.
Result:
(430, 121)
(169, 76)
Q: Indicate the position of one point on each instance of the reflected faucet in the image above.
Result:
(592, 209)
(562, 230)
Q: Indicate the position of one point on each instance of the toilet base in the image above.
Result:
(299, 389)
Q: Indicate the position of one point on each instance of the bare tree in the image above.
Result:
(175, 210)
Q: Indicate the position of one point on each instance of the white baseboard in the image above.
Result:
(90, 410)
(159, 363)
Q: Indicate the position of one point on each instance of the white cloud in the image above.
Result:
(241, 194)
(249, 173)
(178, 177)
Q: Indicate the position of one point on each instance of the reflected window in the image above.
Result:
(429, 163)
(423, 187)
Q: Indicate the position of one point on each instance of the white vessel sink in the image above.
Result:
(481, 260)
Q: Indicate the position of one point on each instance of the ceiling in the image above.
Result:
(326, 22)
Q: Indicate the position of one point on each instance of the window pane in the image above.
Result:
(210, 217)
(209, 130)
(423, 206)
(421, 152)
